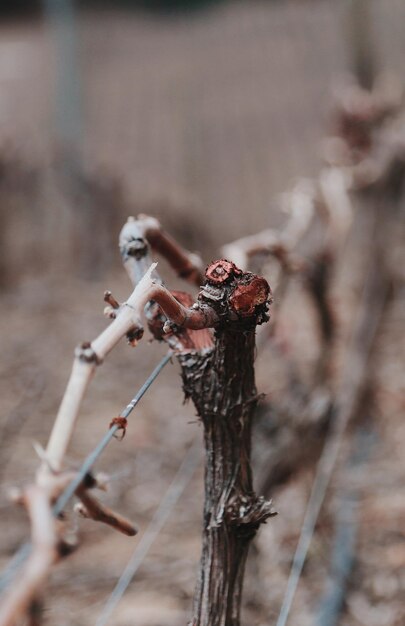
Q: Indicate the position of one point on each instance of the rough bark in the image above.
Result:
(221, 383)
(218, 375)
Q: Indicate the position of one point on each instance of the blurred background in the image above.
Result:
(200, 113)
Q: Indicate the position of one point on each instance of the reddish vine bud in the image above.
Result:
(221, 271)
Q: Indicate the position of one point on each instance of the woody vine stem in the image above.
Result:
(218, 375)
(221, 384)
(214, 340)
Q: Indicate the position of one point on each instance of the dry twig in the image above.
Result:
(91, 508)
(47, 549)
(222, 387)
(51, 479)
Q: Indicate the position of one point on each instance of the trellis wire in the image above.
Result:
(346, 531)
(365, 331)
(324, 472)
(86, 466)
(173, 493)
(93, 456)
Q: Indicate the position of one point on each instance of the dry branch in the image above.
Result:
(89, 355)
(221, 384)
(325, 199)
(51, 478)
(214, 338)
(44, 554)
(365, 161)
(180, 316)
(300, 205)
(134, 239)
(91, 508)
(218, 375)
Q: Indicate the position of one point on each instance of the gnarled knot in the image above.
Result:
(134, 336)
(85, 353)
(136, 247)
(247, 296)
(234, 291)
(248, 512)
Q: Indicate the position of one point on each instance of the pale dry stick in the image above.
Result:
(241, 250)
(334, 186)
(138, 233)
(336, 183)
(24, 591)
(126, 321)
(300, 204)
(136, 248)
(128, 318)
(44, 554)
(93, 456)
(329, 196)
(77, 479)
(87, 357)
(301, 208)
(329, 192)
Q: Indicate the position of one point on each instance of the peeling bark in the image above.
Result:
(218, 375)
(221, 383)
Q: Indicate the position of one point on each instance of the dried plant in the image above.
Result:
(209, 336)
(213, 338)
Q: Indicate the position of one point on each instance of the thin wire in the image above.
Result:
(16, 561)
(365, 333)
(93, 456)
(346, 531)
(173, 493)
(86, 466)
(318, 492)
